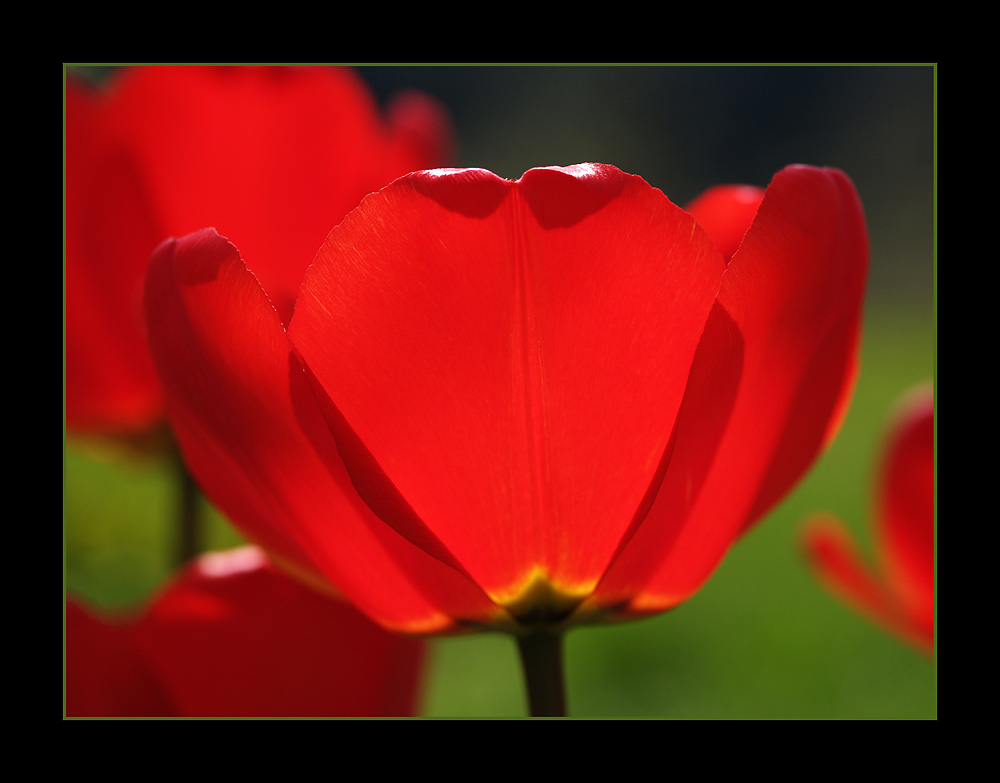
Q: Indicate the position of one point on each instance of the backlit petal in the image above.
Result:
(511, 356)
(793, 293)
(252, 436)
(843, 569)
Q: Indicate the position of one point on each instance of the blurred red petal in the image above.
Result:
(231, 636)
(111, 385)
(838, 563)
(273, 157)
(905, 507)
(726, 212)
(278, 156)
(105, 676)
(421, 130)
(900, 595)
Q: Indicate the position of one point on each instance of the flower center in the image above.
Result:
(540, 604)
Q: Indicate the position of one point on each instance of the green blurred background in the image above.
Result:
(761, 639)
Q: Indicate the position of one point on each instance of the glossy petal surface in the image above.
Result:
(231, 636)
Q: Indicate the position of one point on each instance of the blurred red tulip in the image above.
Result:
(233, 637)
(899, 593)
(518, 404)
(273, 156)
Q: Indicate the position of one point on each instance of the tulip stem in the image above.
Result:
(188, 520)
(542, 661)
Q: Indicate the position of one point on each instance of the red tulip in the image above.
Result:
(274, 156)
(898, 593)
(517, 404)
(231, 636)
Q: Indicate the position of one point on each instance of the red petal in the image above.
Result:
(712, 387)
(793, 291)
(840, 566)
(111, 384)
(421, 132)
(271, 157)
(905, 508)
(726, 212)
(511, 356)
(902, 597)
(105, 676)
(819, 330)
(233, 637)
(251, 434)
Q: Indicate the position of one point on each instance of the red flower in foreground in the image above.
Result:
(233, 637)
(900, 596)
(274, 156)
(517, 404)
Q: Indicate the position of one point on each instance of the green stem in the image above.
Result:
(188, 520)
(542, 661)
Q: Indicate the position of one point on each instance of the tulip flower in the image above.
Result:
(231, 636)
(274, 156)
(517, 405)
(898, 592)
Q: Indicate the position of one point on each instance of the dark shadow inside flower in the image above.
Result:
(543, 606)
(474, 193)
(564, 196)
(373, 485)
(416, 549)
(702, 420)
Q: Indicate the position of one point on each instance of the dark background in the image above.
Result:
(685, 128)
